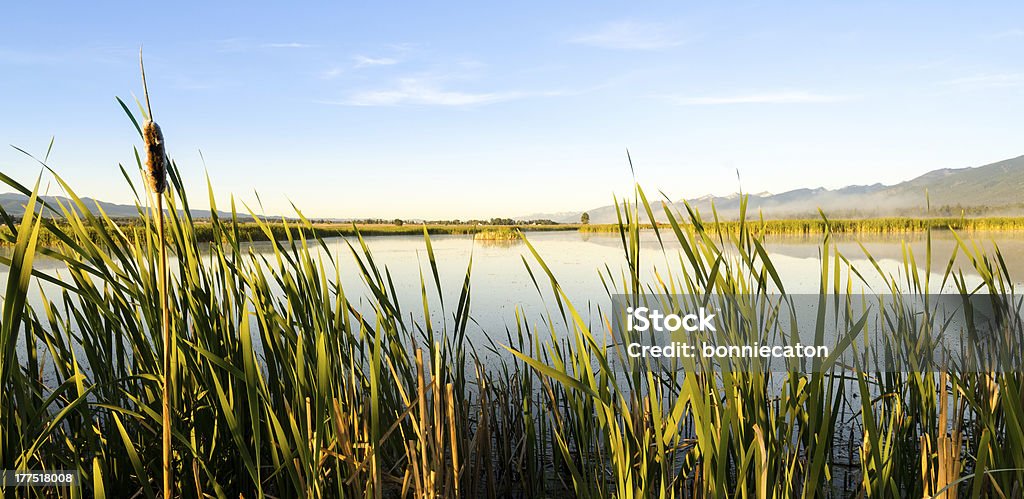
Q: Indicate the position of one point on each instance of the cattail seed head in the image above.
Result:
(156, 157)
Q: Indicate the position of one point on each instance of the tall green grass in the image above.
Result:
(289, 385)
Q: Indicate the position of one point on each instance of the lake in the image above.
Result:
(500, 281)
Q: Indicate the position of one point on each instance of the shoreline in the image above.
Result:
(266, 230)
(886, 225)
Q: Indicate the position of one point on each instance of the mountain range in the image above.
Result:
(14, 204)
(996, 189)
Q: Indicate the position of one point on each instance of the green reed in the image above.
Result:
(292, 382)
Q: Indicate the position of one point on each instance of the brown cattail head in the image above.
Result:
(156, 157)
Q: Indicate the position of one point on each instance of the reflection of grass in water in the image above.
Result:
(499, 243)
(284, 387)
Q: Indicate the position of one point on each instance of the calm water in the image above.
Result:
(500, 281)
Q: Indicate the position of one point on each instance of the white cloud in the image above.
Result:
(332, 73)
(629, 35)
(247, 45)
(362, 61)
(760, 98)
(989, 80)
(288, 45)
(415, 91)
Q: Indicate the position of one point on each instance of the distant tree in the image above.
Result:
(585, 218)
(399, 222)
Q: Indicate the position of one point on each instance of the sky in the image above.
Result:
(485, 109)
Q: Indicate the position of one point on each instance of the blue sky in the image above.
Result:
(480, 109)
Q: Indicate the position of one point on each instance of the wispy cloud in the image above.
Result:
(363, 61)
(988, 80)
(332, 73)
(630, 35)
(424, 92)
(246, 45)
(288, 45)
(792, 97)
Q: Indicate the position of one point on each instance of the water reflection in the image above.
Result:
(505, 275)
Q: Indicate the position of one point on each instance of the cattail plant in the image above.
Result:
(156, 179)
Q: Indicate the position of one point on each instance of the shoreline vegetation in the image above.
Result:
(500, 234)
(282, 385)
(821, 226)
(205, 230)
(270, 229)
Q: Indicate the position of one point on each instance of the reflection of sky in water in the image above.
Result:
(500, 281)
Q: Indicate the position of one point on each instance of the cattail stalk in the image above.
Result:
(156, 179)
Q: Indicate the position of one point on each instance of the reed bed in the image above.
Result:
(818, 227)
(275, 228)
(499, 234)
(270, 229)
(287, 385)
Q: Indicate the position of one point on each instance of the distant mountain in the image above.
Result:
(990, 190)
(14, 205)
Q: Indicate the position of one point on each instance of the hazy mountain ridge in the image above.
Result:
(993, 189)
(14, 204)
